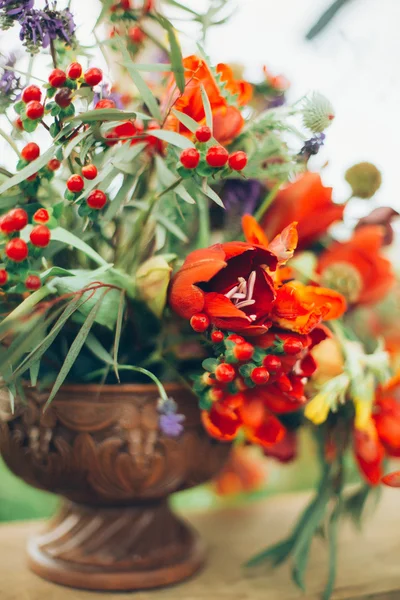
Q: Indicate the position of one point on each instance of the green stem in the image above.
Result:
(11, 142)
(53, 54)
(27, 305)
(267, 202)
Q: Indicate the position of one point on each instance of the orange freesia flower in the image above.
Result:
(370, 454)
(244, 472)
(387, 421)
(233, 285)
(308, 202)
(227, 118)
(357, 268)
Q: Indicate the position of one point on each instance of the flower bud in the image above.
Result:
(152, 280)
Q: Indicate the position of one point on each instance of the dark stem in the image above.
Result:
(45, 125)
(326, 18)
(53, 54)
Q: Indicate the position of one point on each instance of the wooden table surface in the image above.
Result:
(369, 563)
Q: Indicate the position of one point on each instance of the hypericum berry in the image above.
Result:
(190, 158)
(236, 339)
(34, 110)
(217, 337)
(225, 373)
(272, 363)
(74, 70)
(136, 35)
(89, 172)
(41, 216)
(32, 282)
(75, 184)
(243, 351)
(19, 124)
(96, 199)
(30, 152)
(217, 156)
(207, 379)
(57, 78)
(200, 322)
(93, 76)
(53, 164)
(15, 220)
(127, 129)
(259, 375)
(238, 160)
(203, 134)
(32, 92)
(17, 250)
(40, 236)
(105, 103)
(3, 276)
(292, 345)
(63, 97)
(32, 177)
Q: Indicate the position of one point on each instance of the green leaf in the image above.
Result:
(168, 178)
(187, 121)
(175, 53)
(118, 329)
(171, 137)
(62, 235)
(103, 114)
(123, 194)
(54, 272)
(29, 125)
(172, 227)
(209, 364)
(157, 67)
(332, 545)
(19, 107)
(98, 349)
(144, 90)
(213, 196)
(75, 349)
(75, 141)
(34, 373)
(207, 107)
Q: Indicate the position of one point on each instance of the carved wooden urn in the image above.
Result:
(101, 449)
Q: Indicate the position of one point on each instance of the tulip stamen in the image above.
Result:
(242, 294)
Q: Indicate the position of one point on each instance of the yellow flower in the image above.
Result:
(327, 399)
(363, 403)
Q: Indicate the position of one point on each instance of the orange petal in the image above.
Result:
(221, 423)
(285, 243)
(253, 233)
(392, 479)
(269, 432)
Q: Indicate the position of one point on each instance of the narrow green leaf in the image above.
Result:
(172, 227)
(118, 329)
(156, 67)
(149, 374)
(175, 53)
(45, 344)
(176, 139)
(332, 545)
(213, 196)
(60, 234)
(168, 178)
(145, 92)
(187, 121)
(75, 141)
(207, 107)
(103, 114)
(98, 349)
(74, 350)
(34, 373)
(182, 7)
(29, 170)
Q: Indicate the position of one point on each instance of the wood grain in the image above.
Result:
(368, 564)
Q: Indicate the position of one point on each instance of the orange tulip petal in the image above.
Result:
(253, 233)
(222, 424)
(269, 432)
(285, 243)
(392, 479)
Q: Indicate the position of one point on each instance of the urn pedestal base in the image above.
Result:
(116, 549)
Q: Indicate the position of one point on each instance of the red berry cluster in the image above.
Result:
(241, 368)
(30, 108)
(210, 159)
(18, 252)
(96, 199)
(30, 153)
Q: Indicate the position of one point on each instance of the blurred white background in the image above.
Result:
(354, 62)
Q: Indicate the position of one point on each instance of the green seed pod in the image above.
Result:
(317, 113)
(365, 179)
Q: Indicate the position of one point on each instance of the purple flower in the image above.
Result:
(276, 101)
(171, 424)
(40, 27)
(312, 146)
(13, 9)
(243, 196)
(9, 84)
(170, 421)
(107, 93)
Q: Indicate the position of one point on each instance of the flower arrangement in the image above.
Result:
(169, 229)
